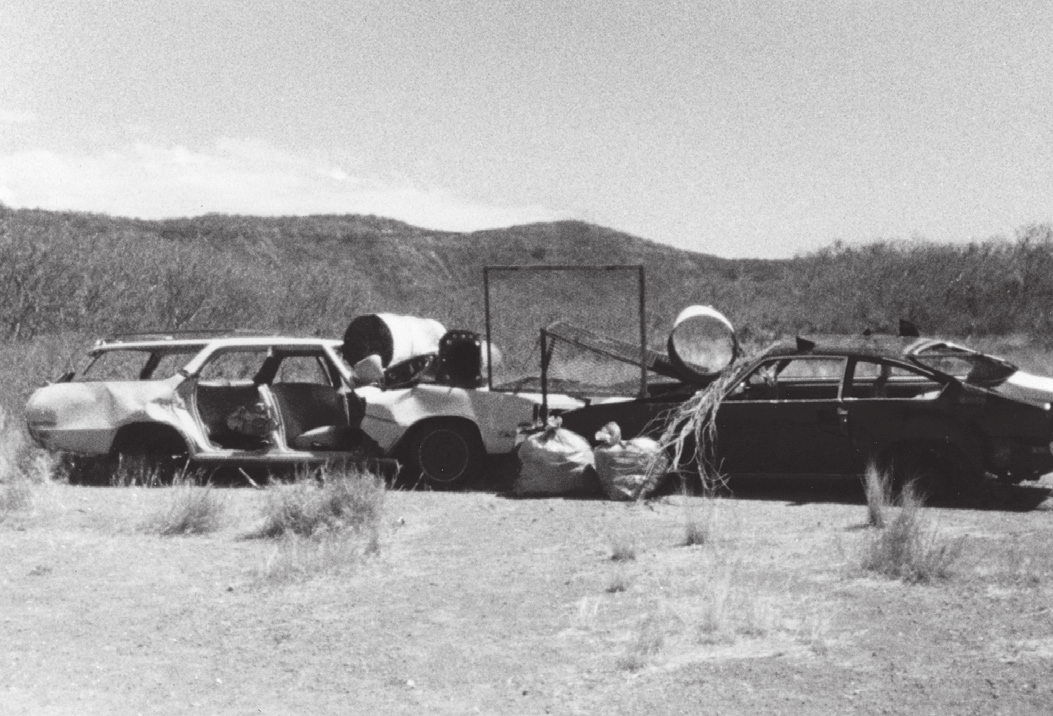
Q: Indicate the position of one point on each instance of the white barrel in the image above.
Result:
(393, 337)
(702, 343)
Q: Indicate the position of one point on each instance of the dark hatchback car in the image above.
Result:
(829, 406)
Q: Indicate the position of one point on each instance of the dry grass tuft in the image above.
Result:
(878, 489)
(907, 548)
(322, 501)
(325, 520)
(732, 606)
(22, 468)
(620, 581)
(15, 496)
(699, 520)
(295, 558)
(192, 509)
(623, 546)
(651, 636)
(134, 472)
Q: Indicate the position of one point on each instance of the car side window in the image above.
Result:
(877, 379)
(793, 378)
(303, 369)
(233, 366)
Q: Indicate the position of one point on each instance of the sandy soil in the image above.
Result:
(478, 603)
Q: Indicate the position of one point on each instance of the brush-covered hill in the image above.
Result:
(91, 273)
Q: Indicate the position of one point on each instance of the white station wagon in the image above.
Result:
(209, 399)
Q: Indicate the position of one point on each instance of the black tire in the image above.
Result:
(443, 454)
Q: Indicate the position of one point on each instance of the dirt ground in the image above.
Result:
(479, 603)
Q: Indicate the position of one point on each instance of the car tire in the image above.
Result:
(442, 454)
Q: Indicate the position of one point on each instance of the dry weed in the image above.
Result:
(325, 520)
(690, 432)
(700, 520)
(22, 469)
(878, 489)
(907, 548)
(623, 546)
(191, 509)
(619, 582)
(651, 634)
(322, 501)
(295, 558)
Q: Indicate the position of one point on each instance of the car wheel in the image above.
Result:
(442, 454)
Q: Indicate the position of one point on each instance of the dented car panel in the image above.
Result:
(85, 417)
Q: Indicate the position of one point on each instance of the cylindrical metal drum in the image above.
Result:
(393, 337)
(702, 343)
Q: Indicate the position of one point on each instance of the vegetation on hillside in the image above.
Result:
(66, 278)
(86, 273)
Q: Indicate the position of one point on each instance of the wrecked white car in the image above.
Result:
(207, 399)
(426, 402)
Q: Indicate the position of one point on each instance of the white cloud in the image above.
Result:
(235, 177)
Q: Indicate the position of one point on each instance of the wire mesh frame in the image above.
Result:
(638, 269)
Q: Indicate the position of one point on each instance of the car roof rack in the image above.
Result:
(183, 335)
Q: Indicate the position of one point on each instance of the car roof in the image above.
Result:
(177, 343)
(872, 346)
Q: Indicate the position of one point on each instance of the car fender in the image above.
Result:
(85, 417)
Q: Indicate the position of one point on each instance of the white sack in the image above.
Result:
(555, 462)
(628, 469)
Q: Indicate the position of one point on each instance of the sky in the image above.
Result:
(742, 129)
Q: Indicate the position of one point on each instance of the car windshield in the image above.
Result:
(135, 364)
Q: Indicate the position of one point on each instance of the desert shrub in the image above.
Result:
(15, 496)
(324, 520)
(909, 549)
(296, 558)
(71, 272)
(699, 520)
(22, 467)
(623, 546)
(651, 634)
(323, 501)
(620, 581)
(191, 509)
